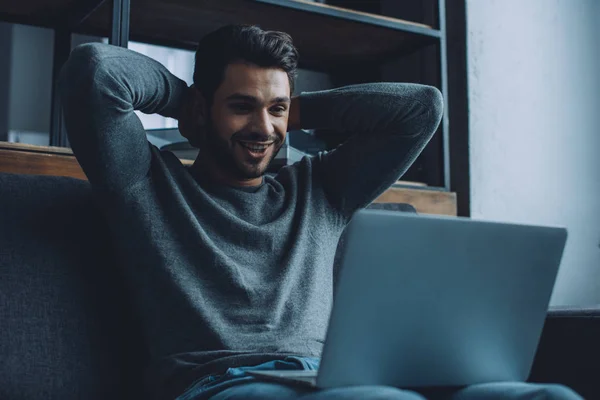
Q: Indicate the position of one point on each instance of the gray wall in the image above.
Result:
(26, 57)
(534, 88)
(5, 51)
(30, 79)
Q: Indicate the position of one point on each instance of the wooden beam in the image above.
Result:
(59, 161)
(39, 163)
(426, 201)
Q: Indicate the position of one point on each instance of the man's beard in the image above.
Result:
(222, 153)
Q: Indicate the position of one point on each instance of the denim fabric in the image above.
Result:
(213, 384)
(235, 384)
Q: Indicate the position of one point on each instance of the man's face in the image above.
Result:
(248, 120)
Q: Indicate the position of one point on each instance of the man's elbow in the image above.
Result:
(80, 67)
(420, 109)
(433, 101)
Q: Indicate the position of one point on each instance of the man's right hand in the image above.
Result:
(191, 121)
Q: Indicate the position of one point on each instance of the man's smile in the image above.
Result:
(255, 150)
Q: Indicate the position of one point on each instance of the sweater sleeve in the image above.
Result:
(100, 87)
(388, 125)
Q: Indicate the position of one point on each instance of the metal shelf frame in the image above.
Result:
(62, 48)
(65, 22)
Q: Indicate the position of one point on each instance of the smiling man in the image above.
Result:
(247, 120)
(231, 269)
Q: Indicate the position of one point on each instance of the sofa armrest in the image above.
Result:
(569, 350)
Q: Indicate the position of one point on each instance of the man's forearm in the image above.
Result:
(388, 125)
(371, 109)
(129, 76)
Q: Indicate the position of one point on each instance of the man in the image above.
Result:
(231, 269)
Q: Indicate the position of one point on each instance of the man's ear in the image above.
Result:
(200, 109)
(193, 117)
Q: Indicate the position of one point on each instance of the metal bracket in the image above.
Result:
(62, 49)
(120, 23)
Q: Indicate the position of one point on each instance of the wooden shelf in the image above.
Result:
(58, 161)
(38, 160)
(327, 37)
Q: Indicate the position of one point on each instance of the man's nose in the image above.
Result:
(262, 123)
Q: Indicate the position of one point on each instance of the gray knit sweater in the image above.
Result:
(225, 276)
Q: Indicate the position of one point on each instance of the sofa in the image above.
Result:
(67, 332)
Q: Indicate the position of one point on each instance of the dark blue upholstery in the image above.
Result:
(569, 350)
(64, 329)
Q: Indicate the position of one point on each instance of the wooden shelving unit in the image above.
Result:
(327, 37)
(336, 40)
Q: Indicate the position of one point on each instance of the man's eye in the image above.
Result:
(240, 107)
(278, 110)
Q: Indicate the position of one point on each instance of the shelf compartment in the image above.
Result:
(327, 37)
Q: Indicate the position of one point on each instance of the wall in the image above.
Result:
(534, 89)
(5, 51)
(30, 79)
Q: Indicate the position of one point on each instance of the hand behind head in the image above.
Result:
(192, 124)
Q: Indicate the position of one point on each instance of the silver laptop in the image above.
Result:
(426, 301)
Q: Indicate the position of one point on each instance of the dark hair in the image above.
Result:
(247, 43)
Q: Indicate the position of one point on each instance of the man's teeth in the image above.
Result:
(255, 147)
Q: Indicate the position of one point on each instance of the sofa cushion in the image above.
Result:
(569, 351)
(65, 330)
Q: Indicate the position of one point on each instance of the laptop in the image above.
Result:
(429, 301)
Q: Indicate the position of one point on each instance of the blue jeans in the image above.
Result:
(234, 384)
